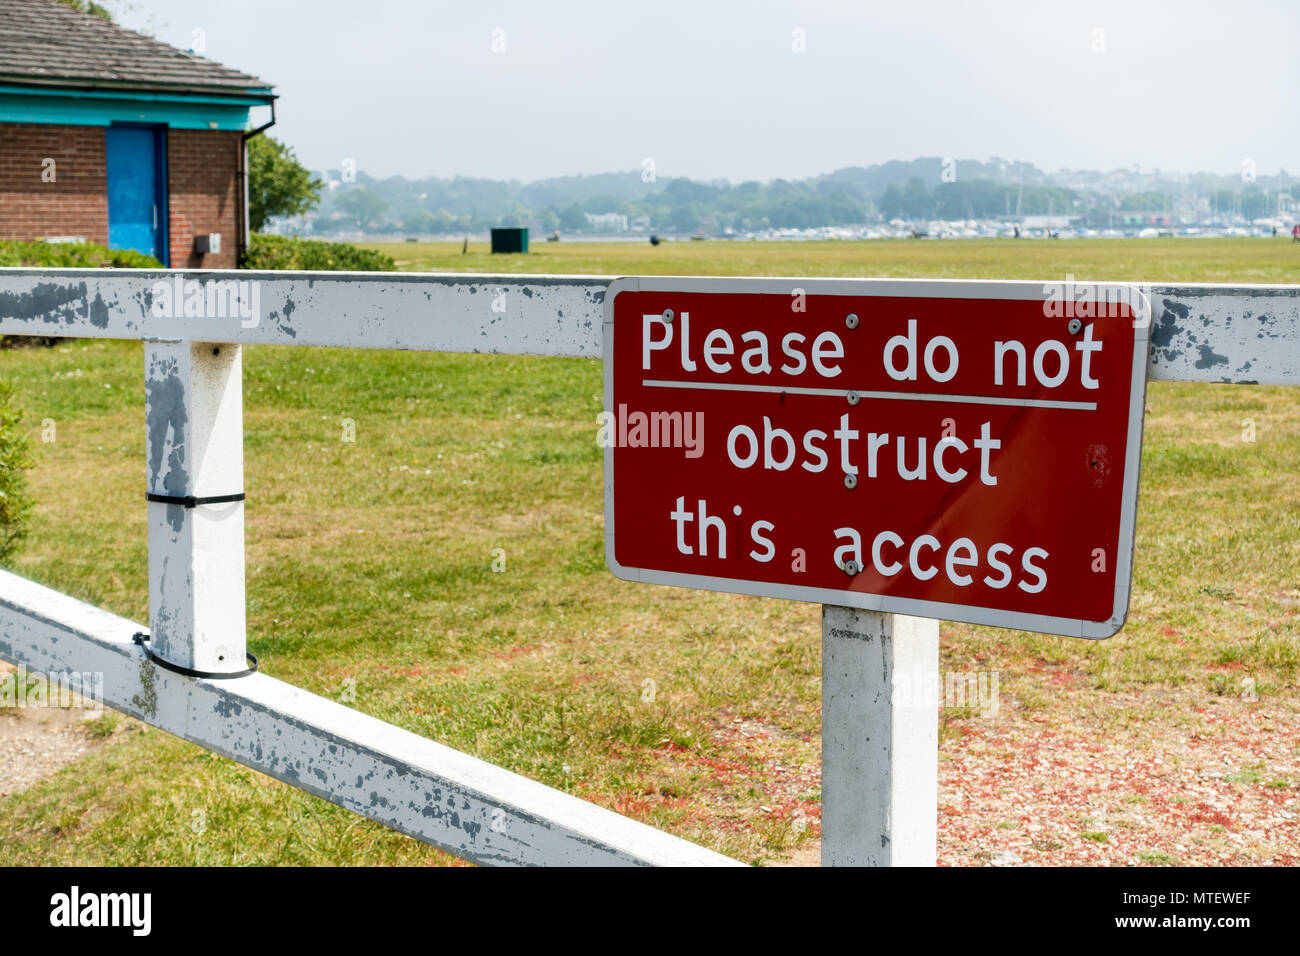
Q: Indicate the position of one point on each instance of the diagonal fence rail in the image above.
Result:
(194, 324)
(458, 803)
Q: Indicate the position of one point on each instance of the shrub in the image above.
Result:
(15, 459)
(78, 255)
(60, 255)
(285, 252)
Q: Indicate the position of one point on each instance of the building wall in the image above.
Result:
(203, 187)
(203, 179)
(71, 199)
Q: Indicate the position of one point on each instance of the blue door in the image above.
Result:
(137, 200)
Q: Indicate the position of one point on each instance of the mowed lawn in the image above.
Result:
(371, 580)
(1097, 260)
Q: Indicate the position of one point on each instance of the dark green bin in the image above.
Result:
(509, 240)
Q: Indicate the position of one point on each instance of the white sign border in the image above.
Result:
(920, 288)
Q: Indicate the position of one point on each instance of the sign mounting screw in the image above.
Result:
(851, 320)
(852, 396)
(669, 315)
(850, 481)
(851, 568)
(1074, 326)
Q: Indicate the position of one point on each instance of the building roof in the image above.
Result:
(48, 43)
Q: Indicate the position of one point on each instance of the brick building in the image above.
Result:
(110, 136)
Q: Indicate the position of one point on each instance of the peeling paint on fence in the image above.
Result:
(509, 314)
(1219, 333)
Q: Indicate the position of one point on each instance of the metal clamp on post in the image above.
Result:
(141, 638)
(190, 501)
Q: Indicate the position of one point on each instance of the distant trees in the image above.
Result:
(603, 203)
(810, 212)
(686, 218)
(972, 199)
(548, 220)
(682, 191)
(846, 197)
(916, 201)
(572, 219)
(361, 206)
(891, 203)
(419, 221)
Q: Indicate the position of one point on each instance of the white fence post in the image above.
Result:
(880, 738)
(194, 449)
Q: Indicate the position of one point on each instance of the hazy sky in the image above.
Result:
(716, 88)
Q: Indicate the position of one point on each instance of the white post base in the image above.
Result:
(880, 738)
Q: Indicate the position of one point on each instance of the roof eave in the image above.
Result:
(262, 93)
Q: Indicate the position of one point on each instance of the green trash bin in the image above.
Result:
(509, 240)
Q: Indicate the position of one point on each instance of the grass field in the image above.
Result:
(1132, 260)
(370, 572)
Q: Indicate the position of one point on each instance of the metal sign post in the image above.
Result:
(880, 738)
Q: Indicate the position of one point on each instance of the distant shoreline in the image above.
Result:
(1195, 232)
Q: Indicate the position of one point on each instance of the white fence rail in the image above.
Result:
(194, 324)
(1200, 332)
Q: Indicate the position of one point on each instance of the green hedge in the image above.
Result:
(265, 252)
(80, 255)
(15, 459)
(285, 252)
(61, 255)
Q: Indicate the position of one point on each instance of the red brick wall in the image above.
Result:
(74, 204)
(203, 186)
(203, 174)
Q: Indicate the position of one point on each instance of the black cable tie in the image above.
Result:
(190, 501)
(142, 639)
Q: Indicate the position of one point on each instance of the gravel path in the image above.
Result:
(37, 741)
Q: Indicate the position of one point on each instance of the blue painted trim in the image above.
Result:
(164, 201)
(78, 111)
(164, 198)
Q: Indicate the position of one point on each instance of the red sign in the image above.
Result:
(959, 450)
